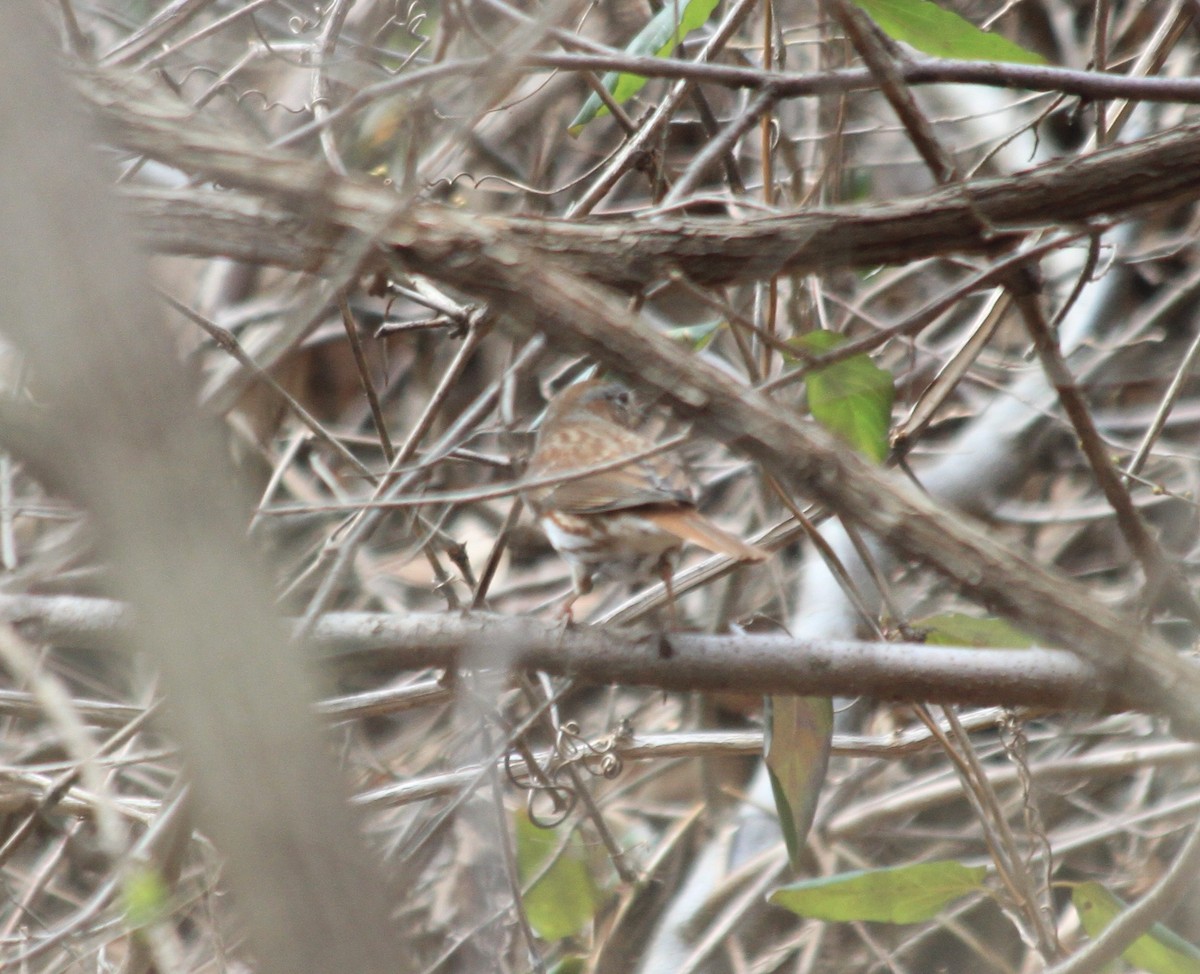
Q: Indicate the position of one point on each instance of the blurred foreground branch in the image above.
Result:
(121, 434)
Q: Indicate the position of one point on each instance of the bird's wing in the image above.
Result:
(637, 485)
(651, 480)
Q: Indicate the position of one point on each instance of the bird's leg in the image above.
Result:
(565, 614)
(581, 581)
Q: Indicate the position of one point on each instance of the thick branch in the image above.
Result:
(305, 217)
(774, 664)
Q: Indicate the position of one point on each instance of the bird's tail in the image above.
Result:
(695, 527)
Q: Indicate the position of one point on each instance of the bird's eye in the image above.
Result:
(620, 397)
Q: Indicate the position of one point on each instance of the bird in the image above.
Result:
(626, 522)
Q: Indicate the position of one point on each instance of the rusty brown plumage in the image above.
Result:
(625, 522)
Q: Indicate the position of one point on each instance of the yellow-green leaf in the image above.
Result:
(957, 629)
(697, 337)
(852, 398)
(562, 902)
(658, 38)
(799, 733)
(904, 894)
(146, 897)
(942, 33)
(1158, 950)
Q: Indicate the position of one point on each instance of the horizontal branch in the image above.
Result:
(27, 791)
(630, 254)
(1092, 85)
(631, 746)
(766, 664)
(294, 213)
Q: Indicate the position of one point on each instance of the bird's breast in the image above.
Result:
(620, 545)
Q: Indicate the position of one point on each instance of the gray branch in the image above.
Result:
(767, 664)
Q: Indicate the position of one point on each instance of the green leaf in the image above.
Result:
(1158, 950)
(145, 897)
(562, 902)
(852, 398)
(796, 750)
(904, 894)
(942, 33)
(956, 629)
(658, 38)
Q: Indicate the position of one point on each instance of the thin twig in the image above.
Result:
(364, 374)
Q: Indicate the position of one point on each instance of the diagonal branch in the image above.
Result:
(583, 318)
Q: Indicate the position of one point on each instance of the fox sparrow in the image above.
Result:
(626, 522)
